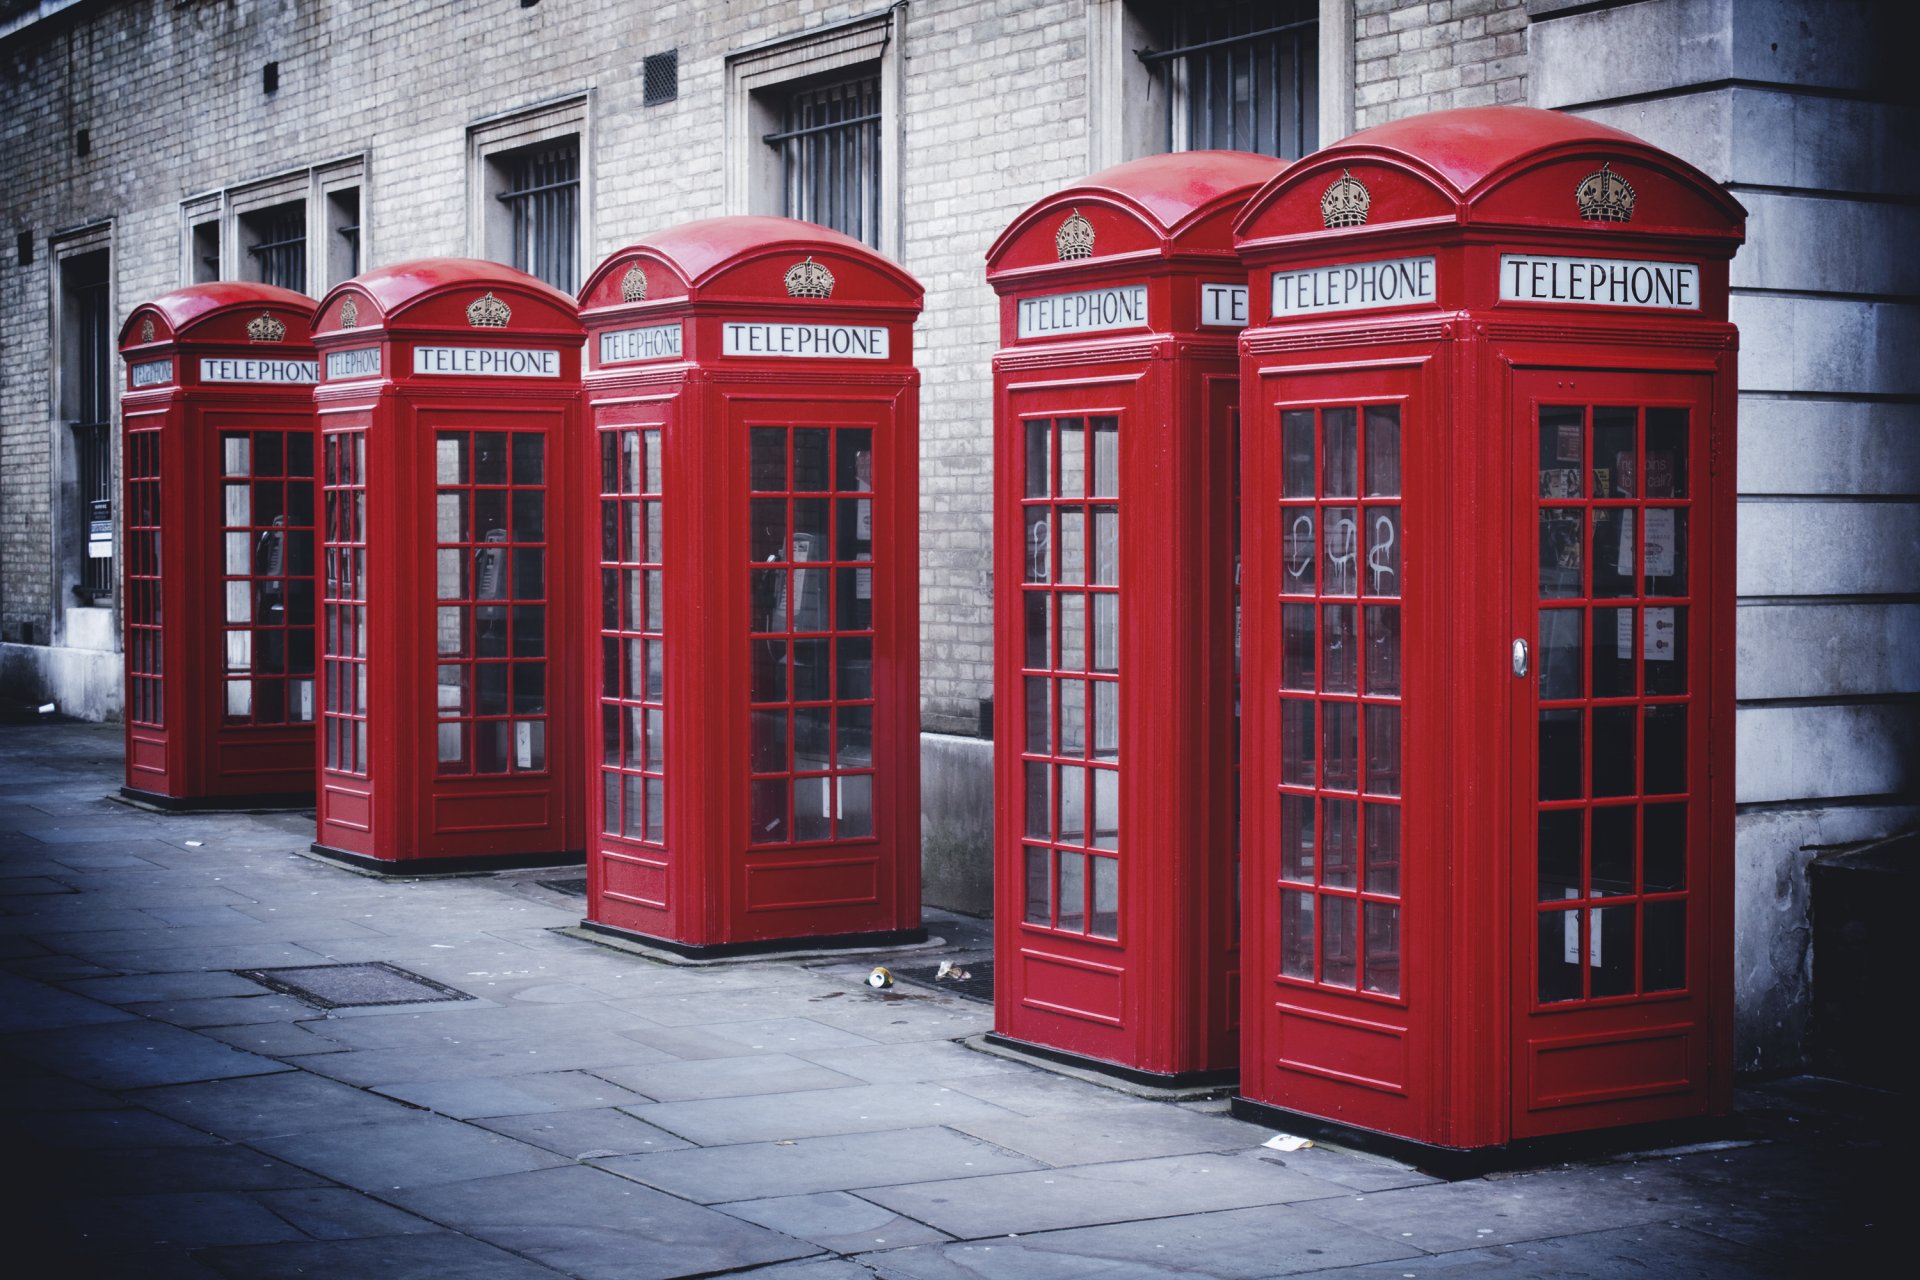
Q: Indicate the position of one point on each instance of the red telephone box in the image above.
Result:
(450, 690)
(752, 388)
(218, 599)
(1488, 467)
(1115, 414)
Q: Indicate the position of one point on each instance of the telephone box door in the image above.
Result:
(1610, 879)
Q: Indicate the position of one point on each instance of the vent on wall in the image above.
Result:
(660, 78)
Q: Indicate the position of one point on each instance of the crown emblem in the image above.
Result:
(1605, 196)
(809, 279)
(1346, 202)
(146, 328)
(1074, 239)
(488, 312)
(349, 314)
(264, 328)
(633, 285)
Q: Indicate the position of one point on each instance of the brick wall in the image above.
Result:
(1412, 56)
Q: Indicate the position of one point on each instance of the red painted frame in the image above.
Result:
(1135, 972)
(183, 747)
(1454, 1060)
(705, 670)
(406, 621)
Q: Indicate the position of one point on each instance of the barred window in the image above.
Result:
(276, 240)
(829, 149)
(543, 196)
(1242, 77)
(86, 384)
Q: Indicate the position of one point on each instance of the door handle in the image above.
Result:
(1519, 657)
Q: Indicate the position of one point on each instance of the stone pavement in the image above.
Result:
(591, 1113)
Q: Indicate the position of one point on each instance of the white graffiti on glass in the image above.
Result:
(1301, 536)
(1342, 551)
(1379, 553)
(1038, 544)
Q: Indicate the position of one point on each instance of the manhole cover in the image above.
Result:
(353, 986)
(977, 985)
(576, 887)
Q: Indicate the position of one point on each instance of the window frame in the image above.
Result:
(493, 140)
(316, 188)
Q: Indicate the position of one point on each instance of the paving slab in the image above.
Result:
(104, 1129)
(186, 1219)
(144, 988)
(335, 1213)
(282, 1040)
(582, 1052)
(26, 1005)
(591, 1224)
(835, 1220)
(762, 1170)
(226, 1011)
(137, 1054)
(410, 1151)
(1033, 1091)
(1136, 1132)
(970, 1208)
(153, 1170)
(735, 1077)
(856, 1109)
(437, 1255)
(580, 1135)
(1626, 1253)
(513, 1095)
(918, 1060)
(270, 1106)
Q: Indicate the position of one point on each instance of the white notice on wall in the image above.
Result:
(1570, 943)
(1659, 634)
(863, 584)
(1660, 548)
(1623, 564)
(1623, 635)
(523, 743)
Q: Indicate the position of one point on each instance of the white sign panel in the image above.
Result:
(361, 362)
(231, 369)
(1354, 286)
(1599, 282)
(1223, 305)
(1123, 306)
(804, 341)
(655, 342)
(152, 373)
(486, 362)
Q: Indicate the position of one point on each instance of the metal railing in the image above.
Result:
(1243, 78)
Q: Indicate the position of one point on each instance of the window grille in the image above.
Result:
(279, 248)
(660, 78)
(543, 194)
(829, 149)
(1242, 77)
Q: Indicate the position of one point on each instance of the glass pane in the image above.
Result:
(1610, 950)
(812, 731)
(1039, 460)
(1106, 459)
(1615, 453)
(451, 739)
(1073, 718)
(490, 688)
(1073, 803)
(853, 600)
(1340, 670)
(1341, 539)
(1073, 458)
(1106, 720)
(1340, 746)
(1106, 631)
(769, 804)
(1106, 809)
(1297, 851)
(1383, 650)
(1341, 442)
(854, 519)
(1558, 854)
(1039, 630)
(450, 631)
(1383, 551)
(236, 450)
(631, 785)
(529, 458)
(810, 529)
(1106, 898)
(1297, 742)
(769, 671)
(811, 676)
(1562, 450)
(1039, 715)
(1666, 453)
(1383, 948)
(1383, 750)
(853, 740)
(1296, 442)
(1665, 532)
(853, 672)
(656, 807)
(812, 807)
(1296, 934)
(1559, 956)
(1612, 869)
(1666, 765)
(1663, 648)
(1613, 553)
(1039, 885)
(1613, 750)
(853, 460)
(1383, 849)
(610, 804)
(1561, 657)
(1073, 545)
(1613, 653)
(767, 529)
(1560, 553)
(1340, 838)
(1664, 947)
(1039, 541)
(1383, 451)
(810, 459)
(769, 465)
(1560, 743)
(1300, 550)
(1039, 800)
(489, 457)
(1073, 632)
(1297, 647)
(1073, 891)
(1106, 546)
(769, 742)
(1338, 941)
(1664, 852)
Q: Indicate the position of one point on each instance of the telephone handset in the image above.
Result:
(490, 577)
(270, 566)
